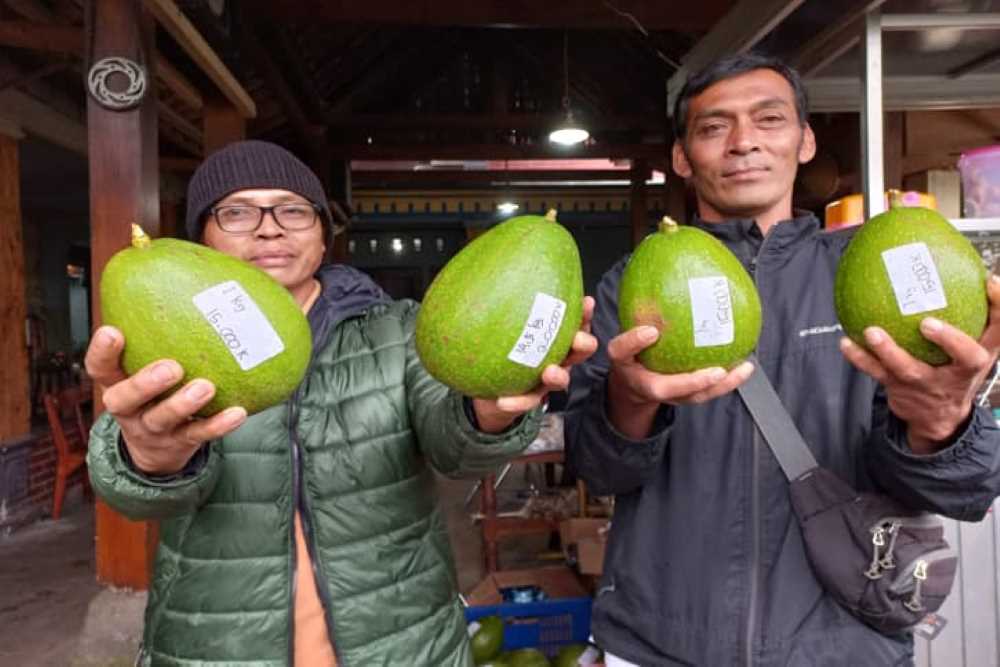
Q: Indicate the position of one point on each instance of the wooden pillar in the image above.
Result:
(637, 208)
(338, 188)
(222, 125)
(124, 188)
(15, 391)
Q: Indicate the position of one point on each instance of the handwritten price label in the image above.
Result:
(539, 332)
(914, 278)
(711, 311)
(240, 324)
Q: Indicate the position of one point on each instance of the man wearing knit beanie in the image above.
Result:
(306, 534)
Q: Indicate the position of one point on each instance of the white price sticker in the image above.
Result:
(239, 322)
(473, 628)
(539, 332)
(711, 311)
(914, 278)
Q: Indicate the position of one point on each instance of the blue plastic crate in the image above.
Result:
(547, 625)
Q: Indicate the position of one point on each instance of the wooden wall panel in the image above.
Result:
(15, 408)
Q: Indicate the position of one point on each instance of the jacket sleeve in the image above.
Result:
(447, 438)
(960, 481)
(609, 462)
(139, 496)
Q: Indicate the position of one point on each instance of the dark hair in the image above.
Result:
(730, 67)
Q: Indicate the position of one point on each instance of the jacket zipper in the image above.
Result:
(300, 505)
(755, 553)
(754, 503)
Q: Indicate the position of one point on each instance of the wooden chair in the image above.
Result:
(66, 412)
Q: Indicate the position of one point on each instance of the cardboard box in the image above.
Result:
(557, 582)
(590, 538)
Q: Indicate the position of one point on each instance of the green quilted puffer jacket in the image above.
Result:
(351, 450)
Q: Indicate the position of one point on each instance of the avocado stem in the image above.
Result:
(139, 238)
(551, 215)
(667, 225)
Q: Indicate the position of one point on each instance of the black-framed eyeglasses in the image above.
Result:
(247, 218)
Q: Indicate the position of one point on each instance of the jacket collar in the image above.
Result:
(346, 292)
(745, 230)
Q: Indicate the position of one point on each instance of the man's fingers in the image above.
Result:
(964, 351)
(862, 360)
(991, 336)
(676, 388)
(127, 397)
(625, 346)
(168, 414)
(522, 402)
(588, 313)
(731, 381)
(895, 360)
(202, 430)
(584, 345)
(103, 358)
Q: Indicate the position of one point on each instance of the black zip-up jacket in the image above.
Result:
(705, 562)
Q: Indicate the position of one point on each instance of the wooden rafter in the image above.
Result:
(265, 65)
(493, 151)
(396, 179)
(498, 121)
(187, 36)
(653, 14)
(68, 39)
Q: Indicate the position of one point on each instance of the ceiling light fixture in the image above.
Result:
(570, 132)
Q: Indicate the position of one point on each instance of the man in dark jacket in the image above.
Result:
(705, 561)
(306, 534)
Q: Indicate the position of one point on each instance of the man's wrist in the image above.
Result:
(631, 415)
(932, 438)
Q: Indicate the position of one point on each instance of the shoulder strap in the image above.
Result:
(775, 424)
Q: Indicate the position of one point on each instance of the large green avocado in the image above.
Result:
(487, 640)
(527, 657)
(688, 285)
(570, 655)
(906, 264)
(506, 306)
(222, 319)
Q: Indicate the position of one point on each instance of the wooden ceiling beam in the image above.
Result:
(493, 151)
(651, 14)
(41, 36)
(42, 120)
(368, 179)
(264, 64)
(835, 40)
(169, 15)
(178, 84)
(67, 39)
(497, 121)
(743, 26)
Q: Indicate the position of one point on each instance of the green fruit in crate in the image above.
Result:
(502, 309)
(222, 319)
(904, 265)
(528, 657)
(569, 656)
(688, 285)
(487, 638)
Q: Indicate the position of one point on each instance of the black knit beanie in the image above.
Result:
(247, 165)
